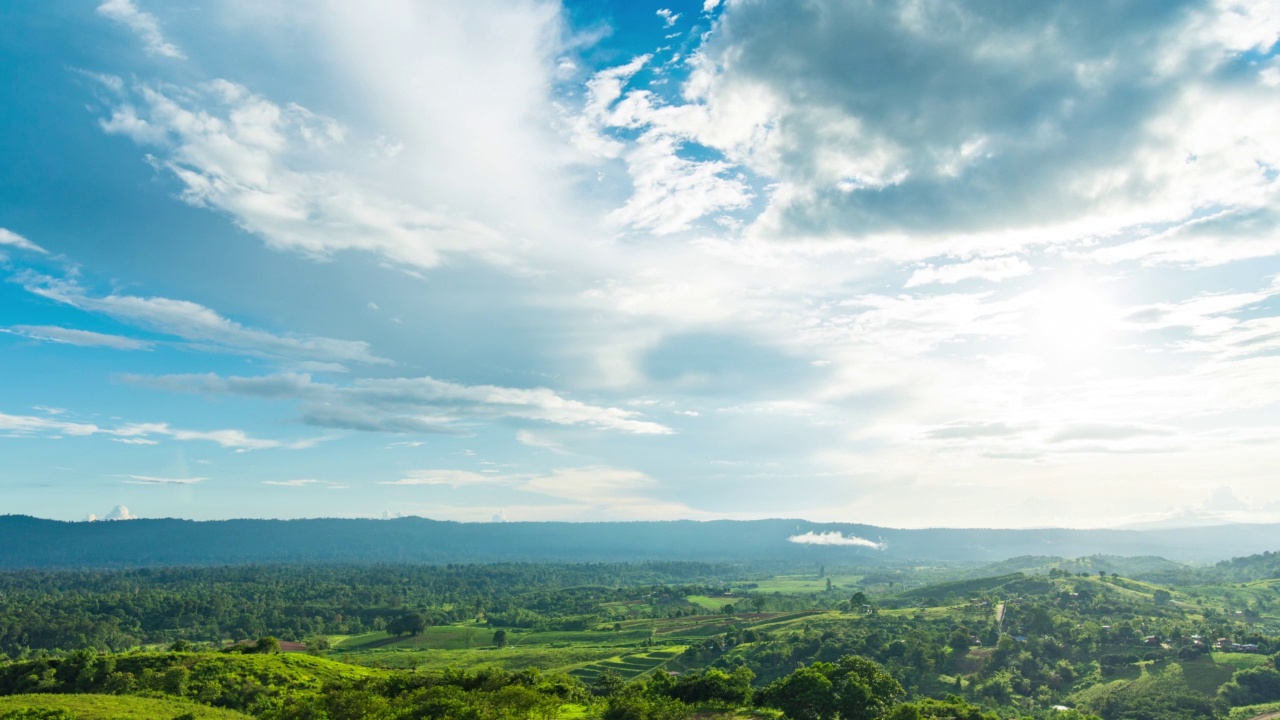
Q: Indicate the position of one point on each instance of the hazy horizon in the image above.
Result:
(898, 264)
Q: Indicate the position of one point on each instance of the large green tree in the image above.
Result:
(852, 688)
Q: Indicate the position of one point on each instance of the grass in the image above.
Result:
(710, 603)
(116, 707)
(1205, 675)
(510, 658)
(803, 584)
(1239, 661)
(442, 637)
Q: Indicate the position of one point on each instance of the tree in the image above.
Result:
(805, 694)
(865, 691)
(853, 687)
(500, 639)
(1252, 686)
(411, 624)
(608, 684)
(712, 686)
(267, 645)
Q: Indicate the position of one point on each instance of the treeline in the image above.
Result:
(286, 688)
(117, 610)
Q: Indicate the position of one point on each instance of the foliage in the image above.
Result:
(853, 688)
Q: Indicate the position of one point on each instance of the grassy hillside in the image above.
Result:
(116, 707)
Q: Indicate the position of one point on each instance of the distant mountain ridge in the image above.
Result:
(27, 542)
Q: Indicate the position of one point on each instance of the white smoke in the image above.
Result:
(90, 518)
(120, 512)
(835, 538)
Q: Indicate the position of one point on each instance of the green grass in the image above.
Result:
(1206, 676)
(1239, 661)
(116, 707)
(627, 666)
(710, 603)
(803, 584)
(510, 658)
(442, 637)
(572, 711)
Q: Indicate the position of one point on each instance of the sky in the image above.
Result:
(911, 264)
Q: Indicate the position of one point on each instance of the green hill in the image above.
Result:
(115, 707)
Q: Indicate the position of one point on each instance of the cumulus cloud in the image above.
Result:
(142, 23)
(119, 512)
(71, 336)
(411, 405)
(835, 538)
(671, 191)
(917, 128)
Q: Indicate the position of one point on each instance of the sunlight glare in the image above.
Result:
(1072, 321)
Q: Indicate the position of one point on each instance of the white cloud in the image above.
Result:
(71, 336)
(670, 191)
(1091, 136)
(532, 439)
(32, 425)
(412, 405)
(144, 24)
(306, 482)
(233, 151)
(149, 480)
(989, 269)
(199, 325)
(142, 433)
(483, 129)
(452, 478)
(594, 492)
(836, 539)
(120, 512)
(13, 239)
(668, 18)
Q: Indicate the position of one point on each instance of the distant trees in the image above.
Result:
(500, 638)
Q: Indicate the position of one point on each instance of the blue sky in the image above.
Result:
(911, 264)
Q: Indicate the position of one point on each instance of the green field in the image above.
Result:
(803, 584)
(116, 707)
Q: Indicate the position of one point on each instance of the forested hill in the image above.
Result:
(27, 542)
